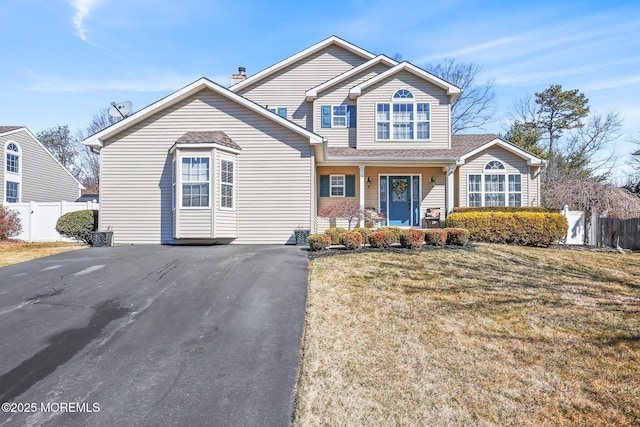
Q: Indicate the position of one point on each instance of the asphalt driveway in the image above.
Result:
(152, 335)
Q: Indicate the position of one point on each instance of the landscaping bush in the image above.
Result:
(457, 236)
(336, 234)
(411, 239)
(9, 223)
(519, 228)
(503, 209)
(393, 232)
(435, 237)
(352, 240)
(78, 225)
(364, 232)
(379, 239)
(318, 242)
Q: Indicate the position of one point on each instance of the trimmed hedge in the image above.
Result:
(9, 223)
(379, 239)
(352, 240)
(457, 236)
(411, 239)
(503, 209)
(393, 233)
(519, 228)
(319, 242)
(364, 232)
(435, 237)
(78, 225)
(336, 234)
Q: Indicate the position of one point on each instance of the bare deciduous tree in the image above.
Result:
(474, 107)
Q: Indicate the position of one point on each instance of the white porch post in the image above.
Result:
(361, 195)
(450, 188)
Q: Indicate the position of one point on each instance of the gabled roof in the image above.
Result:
(462, 147)
(14, 129)
(96, 140)
(312, 94)
(5, 129)
(452, 90)
(333, 40)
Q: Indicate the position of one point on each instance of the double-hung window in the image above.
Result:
(403, 118)
(339, 116)
(226, 184)
(13, 192)
(337, 185)
(13, 173)
(195, 182)
(494, 187)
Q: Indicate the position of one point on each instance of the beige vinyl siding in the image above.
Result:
(273, 172)
(513, 165)
(43, 178)
(423, 91)
(534, 185)
(338, 95)
(287, 87)
(431, 196)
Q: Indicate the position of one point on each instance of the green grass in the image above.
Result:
(494, 335)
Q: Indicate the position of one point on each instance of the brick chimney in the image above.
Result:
(237, 78)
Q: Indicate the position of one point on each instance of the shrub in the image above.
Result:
(364, 232)
(503, 209)
(9, 223)
(394, 233)
(336, 234)
(519, 228)
(347, 209)
(435, 237)
(352, 240)
(379, 239)
(318, 242)
(411, 239)
(457, 236)
(78, 225)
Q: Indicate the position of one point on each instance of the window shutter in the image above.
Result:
(282, 112)
(351, 116)
(326, 116)
(350, 186)
(324, 185)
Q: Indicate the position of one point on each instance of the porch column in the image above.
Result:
(362, 184)
(450, 188)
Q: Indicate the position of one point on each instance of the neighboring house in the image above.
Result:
(251, 163)
(30, 173)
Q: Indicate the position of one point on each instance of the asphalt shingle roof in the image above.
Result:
(460, 145)
(4, 129)
(216, 136)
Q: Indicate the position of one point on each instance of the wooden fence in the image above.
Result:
(619, 232)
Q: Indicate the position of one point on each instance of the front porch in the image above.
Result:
(403, 195)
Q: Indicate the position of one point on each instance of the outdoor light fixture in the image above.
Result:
(432, 180)
(368, 181)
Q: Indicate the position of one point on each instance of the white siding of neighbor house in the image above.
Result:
(513, 164)
(43, 178)
(338, 95)
(423, 91)
(287, 87)
(273, 173)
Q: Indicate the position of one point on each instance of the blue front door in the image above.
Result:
(399, 192)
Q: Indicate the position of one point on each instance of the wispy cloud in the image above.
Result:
(82, 10)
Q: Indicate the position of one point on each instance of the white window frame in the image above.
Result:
(275, 110)
(183, 182)
(174, 173)
(343, 186)
(483, 182)
(341, 115)
(231, 184)
(10, 176)
(403, 97)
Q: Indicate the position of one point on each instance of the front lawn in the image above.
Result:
(493, 335)
(13, 252)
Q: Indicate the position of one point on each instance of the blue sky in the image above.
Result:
(64, 60)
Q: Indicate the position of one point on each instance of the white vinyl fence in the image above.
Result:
(38, 219)
(576, 232)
